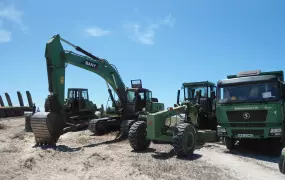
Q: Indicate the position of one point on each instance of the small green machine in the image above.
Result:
(180, 125)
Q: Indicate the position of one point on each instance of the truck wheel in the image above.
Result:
(230, 143)
(184, 140)
(281, 164)
(138, 136)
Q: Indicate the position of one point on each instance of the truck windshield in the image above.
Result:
(249, 92)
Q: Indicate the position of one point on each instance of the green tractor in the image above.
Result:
(187, 122)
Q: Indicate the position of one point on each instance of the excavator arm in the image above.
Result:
(57, 58)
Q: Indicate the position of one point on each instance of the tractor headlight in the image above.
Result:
(275, 130)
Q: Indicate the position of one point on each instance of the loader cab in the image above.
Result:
(78, 98)
(203, 93)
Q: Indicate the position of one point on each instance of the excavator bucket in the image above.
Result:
(47, 127)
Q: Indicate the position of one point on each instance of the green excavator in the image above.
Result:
(134, 103)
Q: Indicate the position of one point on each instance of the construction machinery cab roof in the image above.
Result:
(200, 83)
(252, 76)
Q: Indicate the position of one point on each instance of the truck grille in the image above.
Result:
(248, 131)
(247, 116)
(248, 125)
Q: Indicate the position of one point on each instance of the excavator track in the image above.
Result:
(47, 127)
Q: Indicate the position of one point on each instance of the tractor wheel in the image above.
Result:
(230, 143)
(184, 140)
(28, 127)
(281, 164)
(138, 137)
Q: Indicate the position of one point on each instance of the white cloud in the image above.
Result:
(146, 34)
(142, 35)
(169, 20)
(10, 13)
(96, 32)
(5, 36)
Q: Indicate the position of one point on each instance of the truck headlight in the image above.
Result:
(275, 130)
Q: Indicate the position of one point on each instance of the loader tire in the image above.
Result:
(281, 164)
(184, 140)
(138, 136)
(28, 127)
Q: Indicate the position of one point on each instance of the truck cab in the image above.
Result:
(250, 105)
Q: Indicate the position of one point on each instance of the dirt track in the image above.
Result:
(81, 156)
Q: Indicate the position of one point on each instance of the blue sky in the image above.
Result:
(162, 42)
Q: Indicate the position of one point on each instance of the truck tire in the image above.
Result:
(281, 164)
(182, 148)
(138, 137)
(230, 143)
(28, 127)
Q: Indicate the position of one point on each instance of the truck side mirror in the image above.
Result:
(213, 94)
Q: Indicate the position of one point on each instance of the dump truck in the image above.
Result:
(250, 105)
(13, 111)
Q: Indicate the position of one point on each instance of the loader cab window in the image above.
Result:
(191, 92)
(73, 94)
(85, 94)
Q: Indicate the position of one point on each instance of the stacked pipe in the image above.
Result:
(13, 111)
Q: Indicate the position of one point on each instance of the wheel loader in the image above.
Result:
(182, 125)
(134, 103)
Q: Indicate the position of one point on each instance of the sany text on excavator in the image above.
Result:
(134, 103)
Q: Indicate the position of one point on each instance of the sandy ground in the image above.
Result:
(79, 155)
